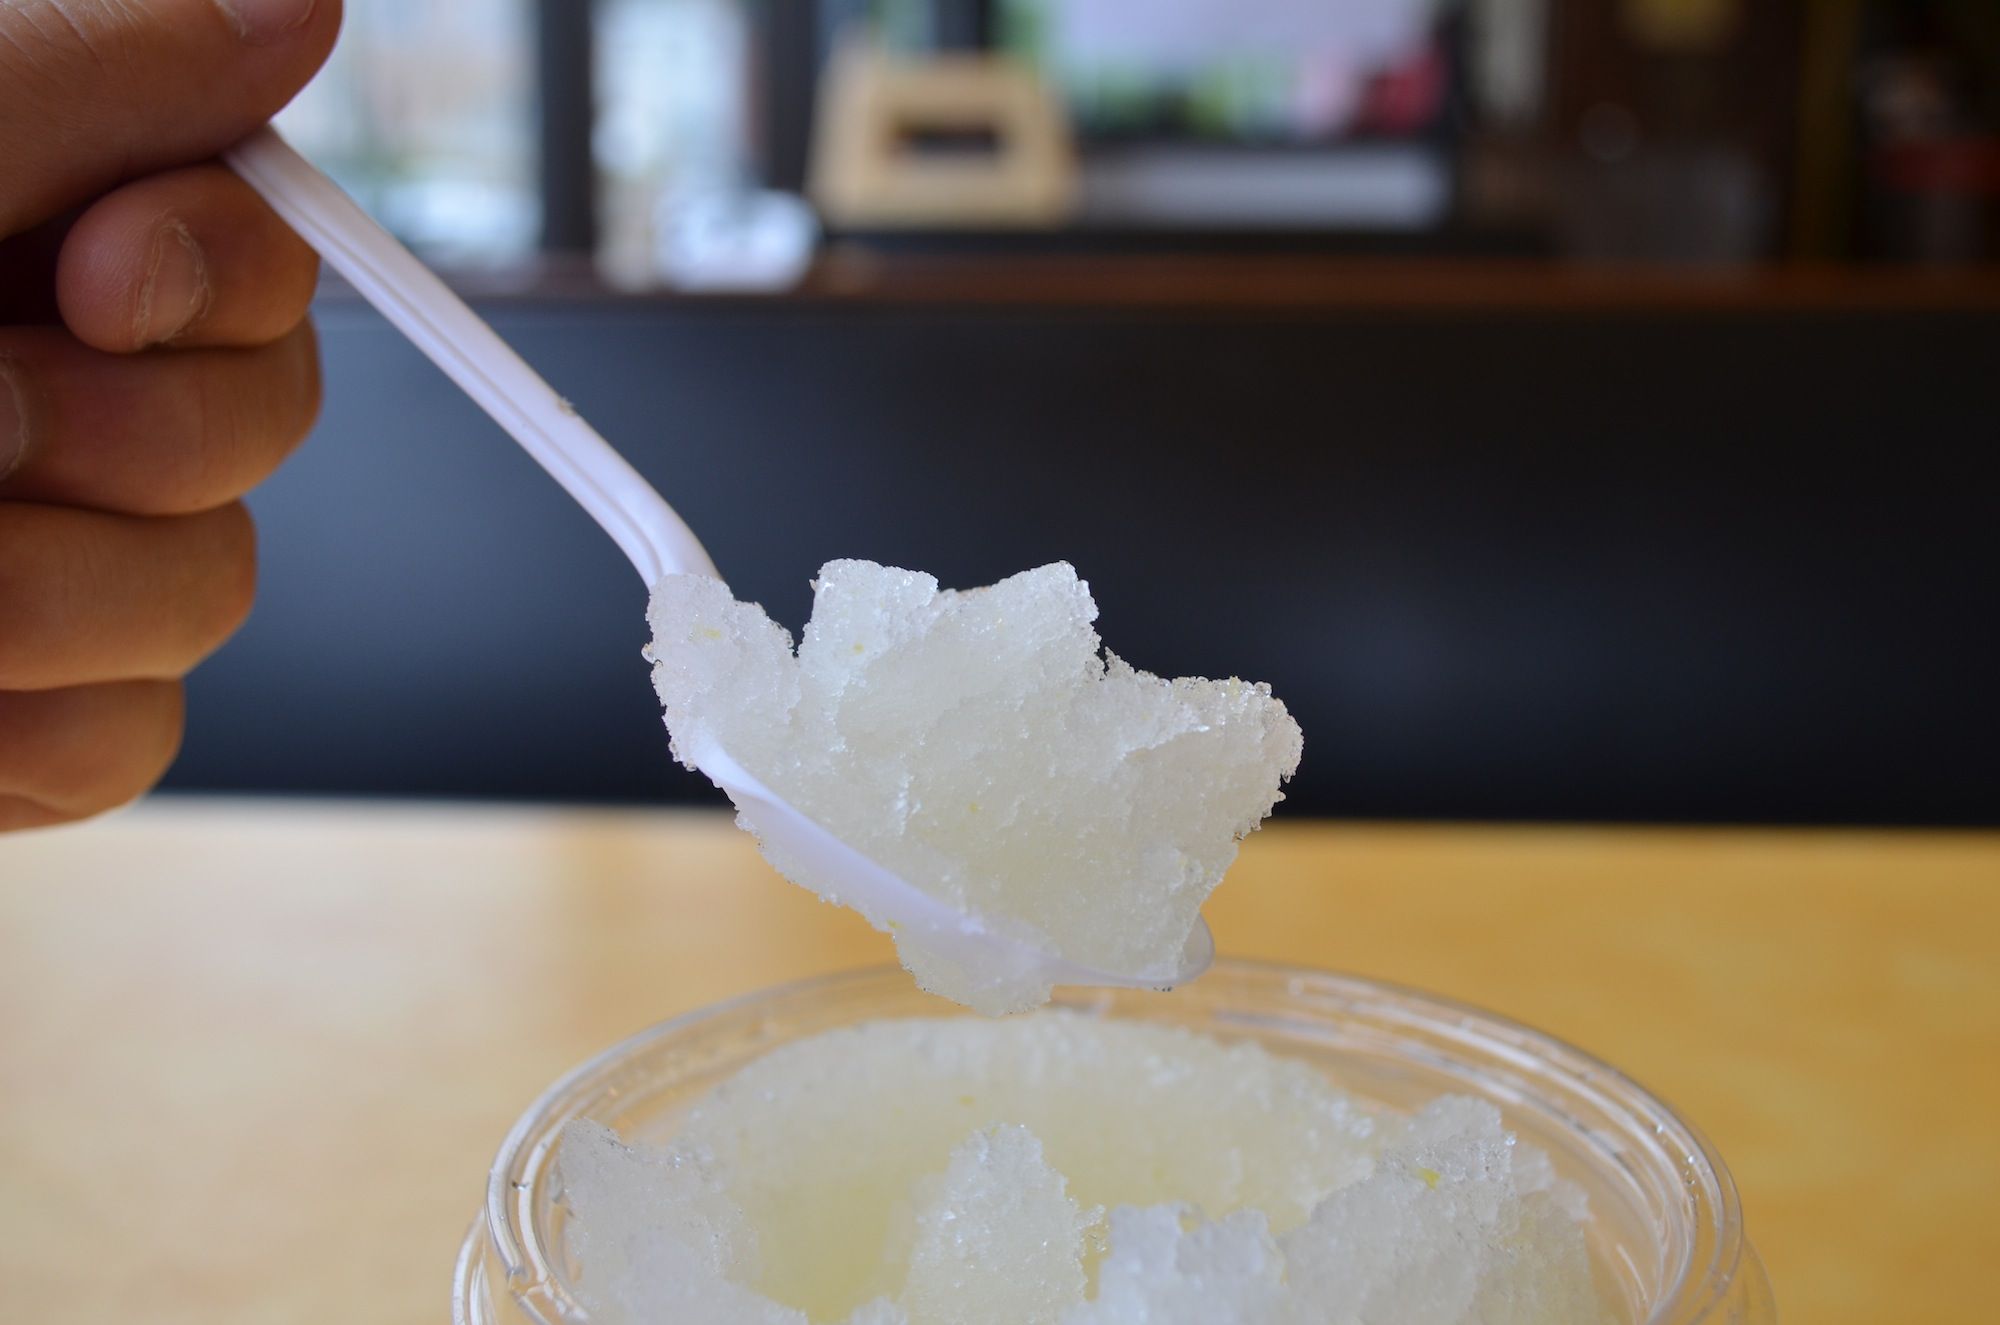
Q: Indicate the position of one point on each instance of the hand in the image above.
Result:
(155, 363)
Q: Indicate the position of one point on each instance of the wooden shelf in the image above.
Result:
(1292, 282)
(1308, 283)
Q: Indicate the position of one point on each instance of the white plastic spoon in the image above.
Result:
(656, 541)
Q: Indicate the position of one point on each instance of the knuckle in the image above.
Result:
(28, 610)
(158, 739)
(291, 277)
(94, 748)
(236, 584)
(48, 43)
(224, 400)
(247, 409)
(53, 49)
(311, 394)
(127, 760)
(18, 812)
(190, 459)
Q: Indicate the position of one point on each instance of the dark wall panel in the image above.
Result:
(1707, 566)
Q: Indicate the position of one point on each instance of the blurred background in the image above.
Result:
(1576, 409)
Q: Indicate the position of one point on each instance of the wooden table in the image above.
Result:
(254, 1058)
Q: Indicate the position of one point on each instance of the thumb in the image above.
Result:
(95, 92)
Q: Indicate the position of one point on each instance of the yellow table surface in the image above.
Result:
(255, 1057)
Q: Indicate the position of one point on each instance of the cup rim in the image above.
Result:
(1697, 1291)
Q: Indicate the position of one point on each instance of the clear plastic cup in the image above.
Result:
(1666, 1231)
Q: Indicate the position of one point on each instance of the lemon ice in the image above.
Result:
(982, 746)
(1060, 1169)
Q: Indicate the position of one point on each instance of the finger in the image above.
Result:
(18, 812)
(166, 433)
(68, 754)
(94, 92)
(88, 597)
(191, 257)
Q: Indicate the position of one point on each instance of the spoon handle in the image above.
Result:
(452, 336)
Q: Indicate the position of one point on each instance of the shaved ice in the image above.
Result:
(982, 746)
(1061, 1169)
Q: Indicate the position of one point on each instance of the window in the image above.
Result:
(426, 114)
